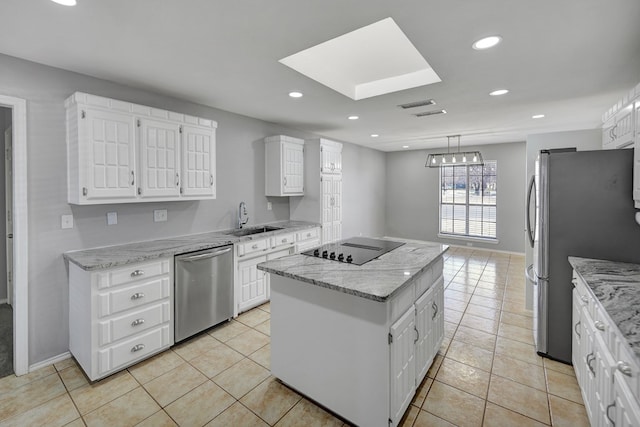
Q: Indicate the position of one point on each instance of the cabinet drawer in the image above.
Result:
(424, 282)
(282, 240)
(133, 349)
(132, 273)
(310, 234)
(626, 363)
(584, 296)
(252, 246)
(133, 296)
(133, 323)
(401, 302)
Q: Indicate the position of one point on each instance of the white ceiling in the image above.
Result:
(567, 59)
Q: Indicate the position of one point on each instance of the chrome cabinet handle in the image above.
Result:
(575, 328)
(284, 180)
(625, 368)
(308, 234)
(211, 180)
(137, 273)
(284, 241)
(137, 322)
(137, 295)
(574, 282)
(254, 246)
(599, 325)
(137, 348)
(417, 334)
(177, 179)
(133, 178)
(584, 298)
(435, 310)
(613, 405)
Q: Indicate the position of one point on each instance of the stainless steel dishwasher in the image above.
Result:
(203, 286)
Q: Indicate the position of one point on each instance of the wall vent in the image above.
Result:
(431, 113)
(417, 104)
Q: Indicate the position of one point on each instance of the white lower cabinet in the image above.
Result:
(252, 285)
(606, 371)
(120, 316)
(415, 339)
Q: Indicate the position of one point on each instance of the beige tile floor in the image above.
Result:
(487, 372)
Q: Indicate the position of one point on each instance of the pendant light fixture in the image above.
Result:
(437, 160)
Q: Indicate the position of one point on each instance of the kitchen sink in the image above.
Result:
(254, 230)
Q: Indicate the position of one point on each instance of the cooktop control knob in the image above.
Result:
(341, 257)
(349, 258)
(316, 252)
(333, 255)
(325, 254)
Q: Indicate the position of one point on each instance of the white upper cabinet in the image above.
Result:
(331, 156)
(119, 152)
(284, 166)
(198, 162)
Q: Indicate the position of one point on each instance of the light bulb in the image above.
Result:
(464, 159)
(453, 160)
(475, 159)
(444, 160)
(433, 160)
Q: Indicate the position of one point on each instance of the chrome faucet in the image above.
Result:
(243, 217)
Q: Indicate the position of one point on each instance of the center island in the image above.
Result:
(358, 339)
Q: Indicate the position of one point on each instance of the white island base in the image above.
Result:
(360, 358)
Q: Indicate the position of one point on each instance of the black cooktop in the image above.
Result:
(356, 250)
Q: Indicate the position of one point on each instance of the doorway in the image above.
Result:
(6, 251)
(16, 237)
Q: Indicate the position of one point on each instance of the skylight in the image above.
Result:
(370, 61)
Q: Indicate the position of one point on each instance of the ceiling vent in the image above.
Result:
(417, 104)
(431, 113)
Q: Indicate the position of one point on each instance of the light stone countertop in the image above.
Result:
(378, 280)
(617, 286)
(113, 256)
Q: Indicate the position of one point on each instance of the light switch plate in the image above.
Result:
(112, 218)
(66, 221)
(159, 215)
(269, 206)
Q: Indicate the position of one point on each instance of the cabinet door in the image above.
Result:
(625, 408)
(605, 366)
(403, 364)
(253, 283)
(293, 168)
(331, 160)
(109, 171)
(576, 339)
(425, 316)
(636, 156)
(326, 198)
(159, 159)
(198, 162)
(588, 362)
(438, 314)
(624, 131)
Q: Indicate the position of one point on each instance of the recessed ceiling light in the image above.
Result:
(295, 94)
(374, 135)
(486, 42)
(499, 92)
(353, 117)
(405, 146)
(65, 2)
(537, 116)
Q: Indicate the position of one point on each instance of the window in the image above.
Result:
(468, 200)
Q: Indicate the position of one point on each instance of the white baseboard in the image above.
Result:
(50, 361)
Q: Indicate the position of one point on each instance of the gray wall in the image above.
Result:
(5, 122)
(240, 176)
(363, 198)
(587, 139)
(412, 203)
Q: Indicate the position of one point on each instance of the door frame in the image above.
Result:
(20, 234)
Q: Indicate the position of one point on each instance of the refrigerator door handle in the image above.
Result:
(528, 272)
(530, 229)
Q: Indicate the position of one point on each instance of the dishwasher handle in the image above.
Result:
(205, 255)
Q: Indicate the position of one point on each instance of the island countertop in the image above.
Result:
(378, 280)
(616, 285)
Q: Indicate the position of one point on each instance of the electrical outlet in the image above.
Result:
(469, 244)
(66, 221)
(112, 218)
(269, 206)
(159, 215)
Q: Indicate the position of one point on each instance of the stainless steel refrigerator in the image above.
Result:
(580, 203)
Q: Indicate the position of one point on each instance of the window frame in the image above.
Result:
(467, 204)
